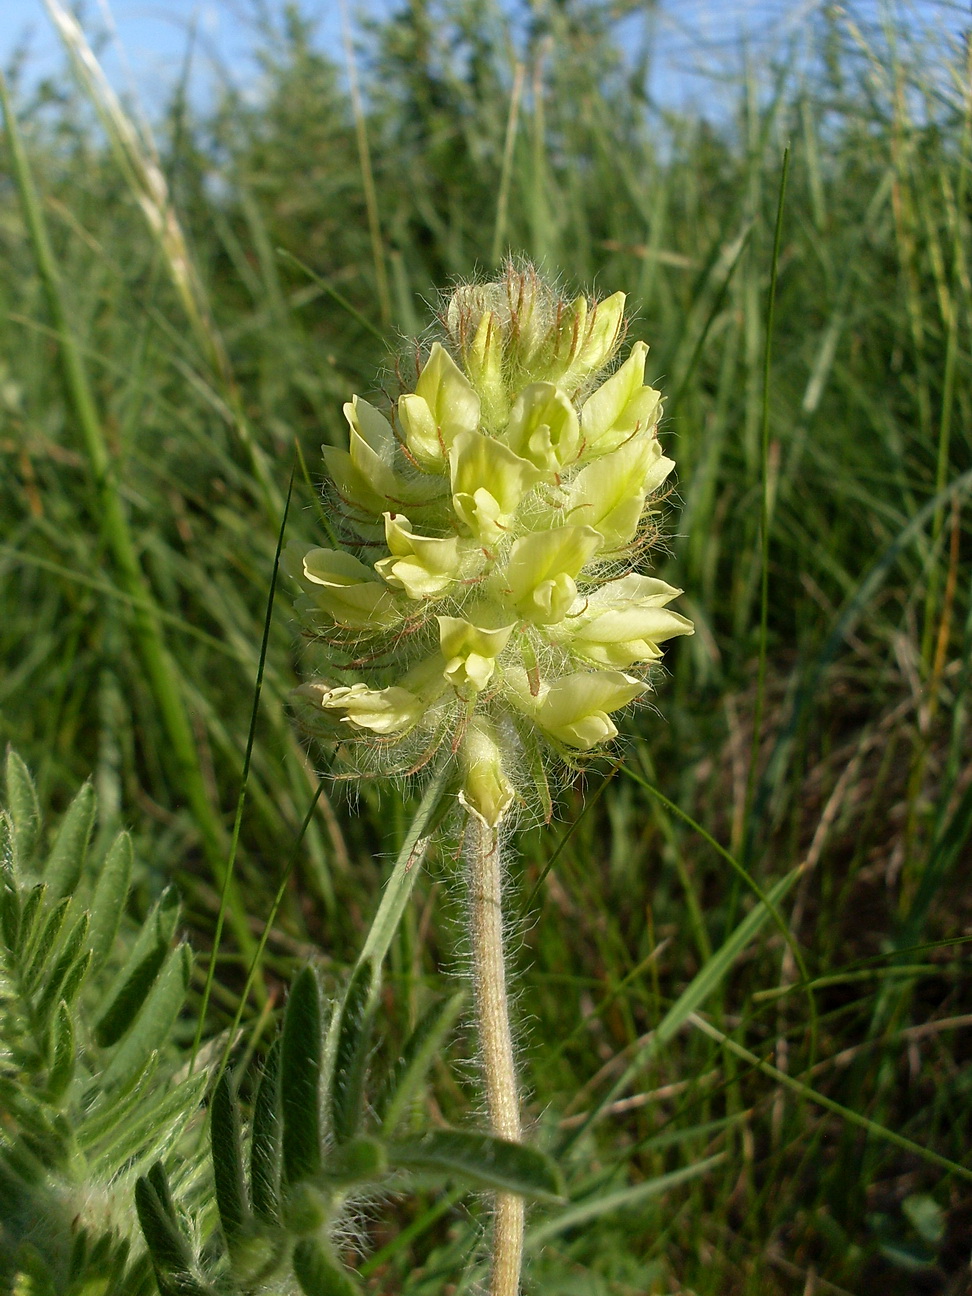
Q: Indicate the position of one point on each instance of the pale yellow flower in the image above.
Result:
(486, 602)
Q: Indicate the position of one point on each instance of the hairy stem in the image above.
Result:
(484, 876)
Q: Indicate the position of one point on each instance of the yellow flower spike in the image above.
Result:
(488, 483)
(543, 427)
(538, 580)
(347, 591)
(620, 407)
(486, 787)
(443, 405)
(421, 566)
(527, 471)
(470, 652)
(476, 594)
(624, 621)
(609, 494)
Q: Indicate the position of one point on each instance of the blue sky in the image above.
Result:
(152, 33)
(691, 35)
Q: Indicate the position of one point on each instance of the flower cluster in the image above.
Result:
(485, 594)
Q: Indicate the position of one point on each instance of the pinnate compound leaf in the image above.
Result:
(66, 860)
(148, 1130)
(24, 808)
(418, 1054)
(265, 1141)
(127, 992)
(108, 901)
(482, 1160)
(43, 944)
(154, 1020)
(62, 1053)
(74, 950)
(351, 1054)
(171, 1257)
(319, 1274)
(300, 1079)
(227, 1145)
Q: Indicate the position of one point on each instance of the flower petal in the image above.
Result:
(543, 427)
(470, 652)
(539, 576)
(347, 591)
(383, 711)
(488, 482)
(625, 620)
(576, 708)
(422, 566)
(620, 407)
(596, 333)
(443, 405)
(486, 789)
(609, 493)
(365, 475)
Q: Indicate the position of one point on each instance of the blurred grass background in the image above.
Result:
(225, 294)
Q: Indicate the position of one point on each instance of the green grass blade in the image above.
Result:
(845, 1113)
(703, 984)
(584, 1212)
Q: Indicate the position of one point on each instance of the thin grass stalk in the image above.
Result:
(160, 670)
(367, 174)
(950, 310)
(138, 160)
(766, 504)
(506, 174)
(485, 883)
(244, 780)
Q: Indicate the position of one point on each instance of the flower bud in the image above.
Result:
(486, 788)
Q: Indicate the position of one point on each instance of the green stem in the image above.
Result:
(485, 883)
(159, 669)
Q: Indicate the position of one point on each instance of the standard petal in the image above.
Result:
(365, 475)
(488, 483)
(577, 708)
(620, 407)
(347, 591)
(539, 576)
(624, 621)
(372, 426)
(422, 566)
(543, 427)
(470, 652)
(443, 405)
(383, 711)
(609, 494)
